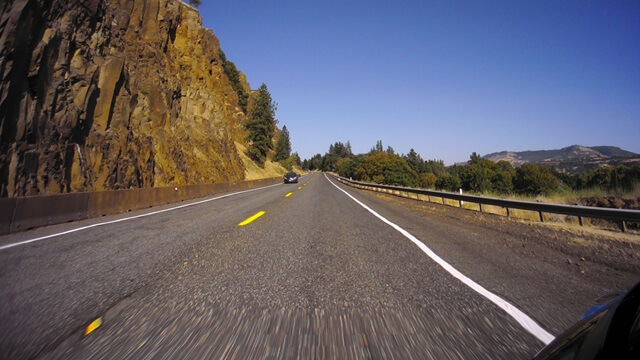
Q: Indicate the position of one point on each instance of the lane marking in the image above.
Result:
(250, 219)
(94, 325)
(130, 218)
(523, 319)
(289, 194)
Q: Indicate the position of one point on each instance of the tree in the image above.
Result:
(348, 167)
(234, 79)
(378, 147)
(502, 182)
(314, 163)
(476, 178)
(391, 169)
(261, 125)
(532, 179)
(415, 161)
(448, 183)
(475, 158)
(195, 3)
(283, 147)
(336, 155)
(428, 180)
(434, 166)
(296, 159)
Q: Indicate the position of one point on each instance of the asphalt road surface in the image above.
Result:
(317, 275)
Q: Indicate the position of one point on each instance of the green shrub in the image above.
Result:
(448, 183)
(385, 168)
(428, 180)
(532, 179)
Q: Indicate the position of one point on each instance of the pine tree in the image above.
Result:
(261, 125)
(234, 79)
(415, 161)
(283, 147)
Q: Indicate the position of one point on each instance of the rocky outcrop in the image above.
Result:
(112, 94)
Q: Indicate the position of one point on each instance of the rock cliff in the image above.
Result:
(112, 94)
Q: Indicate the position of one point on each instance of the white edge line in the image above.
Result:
(523, 319)
(4, 247)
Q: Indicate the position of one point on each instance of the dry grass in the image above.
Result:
(570, 197)
(557, 221)
(254, 172)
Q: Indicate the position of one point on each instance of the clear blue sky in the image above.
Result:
(443, 77)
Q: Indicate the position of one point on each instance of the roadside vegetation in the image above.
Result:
(261, 125)
(478, 176)
(265, 158)
(234, 79)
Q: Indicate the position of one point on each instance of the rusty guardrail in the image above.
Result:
(619, 215)
(23, 213)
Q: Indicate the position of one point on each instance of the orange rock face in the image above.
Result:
(112, 94)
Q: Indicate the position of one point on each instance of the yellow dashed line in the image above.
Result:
(251, 219)
(289, 194)
(94, 325)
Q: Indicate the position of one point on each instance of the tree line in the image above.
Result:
(478, 175)
(261, 129)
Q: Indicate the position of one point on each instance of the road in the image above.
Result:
(316, 276)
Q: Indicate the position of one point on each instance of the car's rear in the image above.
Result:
(290, 177)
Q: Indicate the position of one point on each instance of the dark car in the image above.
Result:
(609, 330)
(291, 177)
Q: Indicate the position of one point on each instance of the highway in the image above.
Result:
(316, 270)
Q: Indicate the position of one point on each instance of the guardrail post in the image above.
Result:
(618, 216)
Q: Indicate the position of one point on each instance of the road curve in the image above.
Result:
(310, 273)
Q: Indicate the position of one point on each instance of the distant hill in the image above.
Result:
(571, 159)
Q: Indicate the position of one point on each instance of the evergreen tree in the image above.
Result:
(234, 79)
(377, 148)
(261, 125)
(474, 159)
(283, 147)
(296, 159)
(415, 161)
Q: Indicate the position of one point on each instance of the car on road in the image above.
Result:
(609, 330)
(290, 177)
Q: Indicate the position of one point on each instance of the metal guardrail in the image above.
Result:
(24, 213)
(619, 215)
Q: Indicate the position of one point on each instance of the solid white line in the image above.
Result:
(130, 218)
(523, 319)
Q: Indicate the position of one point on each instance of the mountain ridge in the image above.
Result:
(570, 159)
